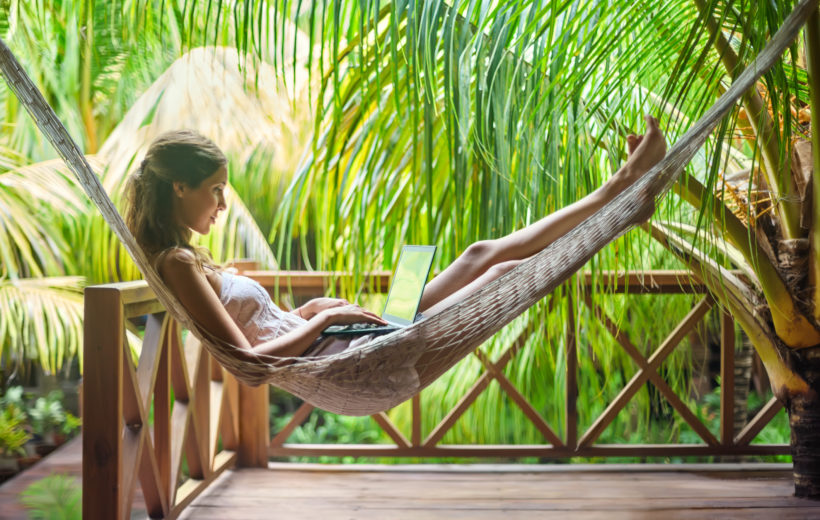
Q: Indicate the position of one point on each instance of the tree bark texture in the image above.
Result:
(804, 419)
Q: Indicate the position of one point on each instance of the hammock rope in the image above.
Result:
(394, 367)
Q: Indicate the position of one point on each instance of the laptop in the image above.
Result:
(403, 297)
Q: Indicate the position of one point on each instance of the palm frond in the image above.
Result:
(42, 321)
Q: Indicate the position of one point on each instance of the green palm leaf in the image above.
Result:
(42, 321)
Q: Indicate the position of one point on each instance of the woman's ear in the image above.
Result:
(179, 188)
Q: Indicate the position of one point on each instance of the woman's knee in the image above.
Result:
(481, 252)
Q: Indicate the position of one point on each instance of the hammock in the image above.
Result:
(394, 367)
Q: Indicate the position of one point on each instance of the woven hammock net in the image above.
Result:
(394, 367)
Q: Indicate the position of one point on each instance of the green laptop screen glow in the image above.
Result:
(408, 283)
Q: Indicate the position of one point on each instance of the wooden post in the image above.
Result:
(727, 378)
(102, 403)
(571, 439)
(254, 428)
(254, 423)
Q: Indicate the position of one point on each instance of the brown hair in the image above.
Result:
(176, 156)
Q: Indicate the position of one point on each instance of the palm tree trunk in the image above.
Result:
(804, 419)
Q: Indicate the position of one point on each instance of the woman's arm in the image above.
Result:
(296, 342)
(191, 287)
(180, 273)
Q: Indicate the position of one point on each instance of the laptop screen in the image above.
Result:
(408, 284)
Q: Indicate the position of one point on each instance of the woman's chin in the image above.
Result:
(205, 229)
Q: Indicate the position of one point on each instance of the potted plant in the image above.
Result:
(47, 418)
(12, 438)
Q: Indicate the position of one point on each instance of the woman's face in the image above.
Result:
(197, 208)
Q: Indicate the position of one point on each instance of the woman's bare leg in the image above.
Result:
(472, 269)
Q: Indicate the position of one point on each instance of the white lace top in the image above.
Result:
(252, 309)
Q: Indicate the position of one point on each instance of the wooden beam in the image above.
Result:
(459, 409)
(643, 374)
(571, 399)
(529, 411)
(656, 379)
(162, 419)
(387, 425)
(254, 429)
(763, 417)
(298, 418)
(727, 378)
(415, 436)
(102, 403)
(524, 450)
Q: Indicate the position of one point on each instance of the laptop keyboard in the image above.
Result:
(359, 326)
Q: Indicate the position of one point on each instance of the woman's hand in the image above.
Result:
(350, 313)
(317, 305)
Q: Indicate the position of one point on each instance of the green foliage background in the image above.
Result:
(409, 122)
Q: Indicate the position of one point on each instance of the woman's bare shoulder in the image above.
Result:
(175, 260)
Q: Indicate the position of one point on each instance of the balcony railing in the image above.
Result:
(174, 411)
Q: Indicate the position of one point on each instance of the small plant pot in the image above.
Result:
(9, 464)
(59, 439)
(44, 448)
(28, 461)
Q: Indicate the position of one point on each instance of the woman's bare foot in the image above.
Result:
(645, 151)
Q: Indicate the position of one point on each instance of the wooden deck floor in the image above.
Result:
(610, 492)
(509, 492)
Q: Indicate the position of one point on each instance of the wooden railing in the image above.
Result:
(174, 420)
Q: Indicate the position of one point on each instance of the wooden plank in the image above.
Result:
(571, 381)
(179, 432)
(642, 375)
(162, 420)
(133, 292)
(152, 344)
(342, 492)
(132, 449)
(230, 412)
(192, 488)
(156, 497)
(102, 403)
(180, 379)
(763, 417)
(317, 282)
(298, 418)
(521, 450)
(415, 436)
(529, 411)
(458, 410)
(194, 438)
(254, 429)
(662, 386)
(215, 416)
(132, 310)
(201, 408)
(132, 410)
(390, 429)
(472, 394)
(727, 378)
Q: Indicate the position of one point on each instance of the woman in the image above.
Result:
(180, 186)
